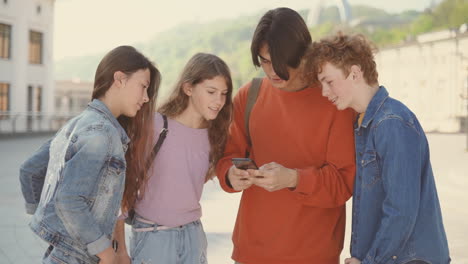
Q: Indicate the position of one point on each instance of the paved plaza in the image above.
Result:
(18, 245)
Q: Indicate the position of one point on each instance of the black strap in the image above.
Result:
(157, 146)
(154, 152)
(252, 95)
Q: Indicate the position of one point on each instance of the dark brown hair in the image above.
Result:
(287, 37)
(202, 67)
(139, 128)
(343, 51)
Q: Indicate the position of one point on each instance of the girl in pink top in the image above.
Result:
(166, 226)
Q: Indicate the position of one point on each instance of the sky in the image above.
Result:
(83, 27)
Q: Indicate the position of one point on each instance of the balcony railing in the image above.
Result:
(30, 122)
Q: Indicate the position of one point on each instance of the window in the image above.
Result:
(34, 99)
(30, 98)
(4, 97)
(29, 118)
(35, 47)
(5, 41)
(38, 99)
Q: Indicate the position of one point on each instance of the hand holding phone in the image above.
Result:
(244, 163)
(237, 177)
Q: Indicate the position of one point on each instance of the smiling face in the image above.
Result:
(276, 81)
(134, 92)
(337, 87)
(208, 97)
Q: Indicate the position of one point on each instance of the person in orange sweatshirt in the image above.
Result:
(292, 208)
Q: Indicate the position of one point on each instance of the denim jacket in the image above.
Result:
(74, 183)
(396, 211)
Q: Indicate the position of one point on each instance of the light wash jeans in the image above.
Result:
(186, 244)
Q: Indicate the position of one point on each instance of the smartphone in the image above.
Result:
(244, 163)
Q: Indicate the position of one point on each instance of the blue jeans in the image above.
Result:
(184, 244)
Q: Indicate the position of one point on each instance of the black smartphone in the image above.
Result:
(244, 163)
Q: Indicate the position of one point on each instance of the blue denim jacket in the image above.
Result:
(396, 211)
(74, 183)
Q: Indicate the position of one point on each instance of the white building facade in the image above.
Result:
(72, 97)
(431, 78)
(26, 60)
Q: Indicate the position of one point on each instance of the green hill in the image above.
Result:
(230, 38)
(170, 50)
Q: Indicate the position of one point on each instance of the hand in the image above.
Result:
(274, 176)
(239, 179)
(123, 259)
(119, 236)
(352, 261)
(107, 256)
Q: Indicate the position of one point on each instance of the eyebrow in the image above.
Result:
(323, 78)
(212, 87)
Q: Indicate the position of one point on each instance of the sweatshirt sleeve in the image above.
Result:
(236, 144)
(331, 185)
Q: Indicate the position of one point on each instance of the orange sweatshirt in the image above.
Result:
(304, 131)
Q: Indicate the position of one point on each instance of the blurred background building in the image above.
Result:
(26, 64)
(72, 96)
(430, 75)
(422, 59)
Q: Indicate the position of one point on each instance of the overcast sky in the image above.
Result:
(91, 26)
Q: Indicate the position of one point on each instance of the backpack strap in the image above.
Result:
(252, 95)
(157, 146)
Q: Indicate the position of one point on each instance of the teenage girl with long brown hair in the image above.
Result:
(166, 225)
(74, 183)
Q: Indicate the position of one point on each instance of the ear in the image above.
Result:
(187, 87)
(356, 72)
(119, 77)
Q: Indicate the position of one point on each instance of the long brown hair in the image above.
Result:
(139, 128)
(202, 67)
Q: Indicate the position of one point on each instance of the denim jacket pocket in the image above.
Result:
(370, 170)
(116, 166)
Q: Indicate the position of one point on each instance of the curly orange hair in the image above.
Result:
(343, 51)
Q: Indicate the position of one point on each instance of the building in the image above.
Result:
(72, 97)
(26, 63)
(430, 75)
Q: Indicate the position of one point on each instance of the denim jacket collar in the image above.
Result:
(374, 105)
(102, 108)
